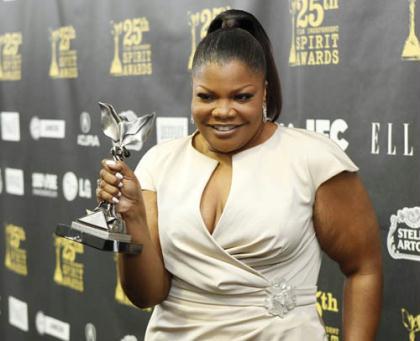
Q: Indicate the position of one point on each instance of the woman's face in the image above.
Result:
(226, 105)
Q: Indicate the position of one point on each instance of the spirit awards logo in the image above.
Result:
(315, 37)
(10, 57)
(85, 139)
(404, 234)
(132, 57)
(15, 258)
(199, 22)
(411, 323)
(68, 272)
(411, 49)
(326, 302)
(63, 58)
(44, 185)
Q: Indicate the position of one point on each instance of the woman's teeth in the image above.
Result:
(224, 128)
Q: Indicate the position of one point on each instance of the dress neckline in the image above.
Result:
(236, 155)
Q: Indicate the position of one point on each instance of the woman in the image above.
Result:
(233, 218)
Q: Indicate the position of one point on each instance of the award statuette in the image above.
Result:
(103, 228)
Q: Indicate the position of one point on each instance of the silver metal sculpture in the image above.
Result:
(103, 227)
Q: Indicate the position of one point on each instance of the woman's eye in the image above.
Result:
(243, 97)
(204, 96)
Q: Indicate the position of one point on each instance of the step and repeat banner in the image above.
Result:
(349, 70)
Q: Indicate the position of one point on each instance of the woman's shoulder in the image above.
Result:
(305, 140)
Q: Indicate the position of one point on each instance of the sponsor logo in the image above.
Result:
(18, 314)
(333, 129)
(315, 33)
(68, 272)
(326, 302)
(74, 186)
(15, 258)
(411, 49)
(10, 127)
(199, 22)
(47, 325)
(411, 323)
(168, 128)
(403, 240)
(41, 128)
(129, 338)
(90, 332)
(381, 143)
(14, 181)
(10, 57)
(132, 57)
(44, 185)
(63, 58)
(86, 139)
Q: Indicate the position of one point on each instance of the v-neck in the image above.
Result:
(212, 164)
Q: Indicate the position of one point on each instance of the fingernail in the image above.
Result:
(119, 194)
(115, 200)
(119, 175)
(120, 184)
(110, 162)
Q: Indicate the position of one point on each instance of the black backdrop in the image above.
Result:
(349, 70)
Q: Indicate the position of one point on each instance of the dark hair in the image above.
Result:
(236, 34)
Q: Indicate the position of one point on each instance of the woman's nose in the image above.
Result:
(223, 109)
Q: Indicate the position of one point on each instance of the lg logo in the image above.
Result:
(74, 186)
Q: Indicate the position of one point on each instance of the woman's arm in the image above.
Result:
(348, 232)
(143, 277)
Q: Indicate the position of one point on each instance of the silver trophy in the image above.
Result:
(103, 227)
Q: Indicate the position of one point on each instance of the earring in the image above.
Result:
(264, 113)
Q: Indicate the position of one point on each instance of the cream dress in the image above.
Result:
(224, 284)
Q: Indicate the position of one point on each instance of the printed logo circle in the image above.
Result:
(40, 322)
(35, 128)
(90, 332)
(85, 122)
(70, 186)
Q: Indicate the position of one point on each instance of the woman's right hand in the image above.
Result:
(119, 185)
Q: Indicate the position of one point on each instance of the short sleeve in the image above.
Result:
(145, 171)
(326, 159)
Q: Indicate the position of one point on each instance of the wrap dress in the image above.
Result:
(263, 252)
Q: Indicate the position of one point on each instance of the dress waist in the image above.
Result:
(299, 296)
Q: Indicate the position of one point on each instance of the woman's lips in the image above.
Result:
(224, 130)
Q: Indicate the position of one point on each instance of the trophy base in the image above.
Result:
(101, 240)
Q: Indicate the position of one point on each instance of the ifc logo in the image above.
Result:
(85, 122)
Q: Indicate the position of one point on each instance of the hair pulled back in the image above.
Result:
(236, 34)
